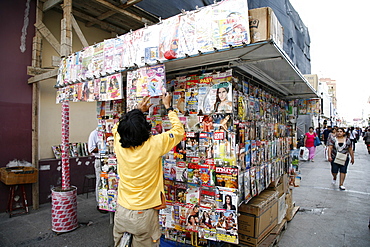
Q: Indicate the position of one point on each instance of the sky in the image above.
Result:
(339, 34)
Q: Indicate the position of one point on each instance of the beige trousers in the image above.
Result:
(142, 224)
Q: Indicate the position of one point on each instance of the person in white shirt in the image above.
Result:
(353, 137)
(93, 148)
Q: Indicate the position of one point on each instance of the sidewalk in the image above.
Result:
(327, 216)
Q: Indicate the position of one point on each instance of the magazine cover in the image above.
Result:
(204, 105)
(98, 59)
(169, 189)
(87, 65)
(181, 172)
(192, 194)
(103, 89)
(108, 52)
(207, 224)
(150, 44)
(180, 192)
(192, 144)
(178, 99)
(194, 173)
(192, 220)
(168, 37)
(118, 62)
(247, 186)
(187, 35)
(208, 197)
(227, 177)
(114, 87)
(57, 151)
(227, 226)
(191, 97)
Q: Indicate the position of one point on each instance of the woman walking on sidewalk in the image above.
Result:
(340, 146)
(309, 143)
(366, 139)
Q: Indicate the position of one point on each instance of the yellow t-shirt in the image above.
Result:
(140, 169)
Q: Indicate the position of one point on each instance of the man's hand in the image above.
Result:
(143, 105)
(166, 99)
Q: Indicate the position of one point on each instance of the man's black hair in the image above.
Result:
(134, 129)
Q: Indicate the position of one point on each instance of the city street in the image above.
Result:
(327, 216)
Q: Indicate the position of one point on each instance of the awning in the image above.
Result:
(263, 60)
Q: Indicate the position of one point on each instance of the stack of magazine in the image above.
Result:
(78, 149)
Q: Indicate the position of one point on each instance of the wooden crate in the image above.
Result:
(18, 175)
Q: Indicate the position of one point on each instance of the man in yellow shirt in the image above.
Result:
(140, 188)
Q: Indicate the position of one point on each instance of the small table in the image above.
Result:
(11, 199)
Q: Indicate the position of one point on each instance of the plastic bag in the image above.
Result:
(303, 153)
(317, 141)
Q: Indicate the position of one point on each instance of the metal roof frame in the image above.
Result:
(263, 60)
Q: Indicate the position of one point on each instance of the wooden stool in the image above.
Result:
(11, 207)
(89, 184)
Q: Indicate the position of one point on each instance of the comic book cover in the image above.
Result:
(103, 199)
(192, 143)
(204, 30)
(168, 36)
(180, 192)
(156, 79)
(133, 50)
(192, 194)
(207, 223)
(187, 35)
(87, 65)
(208, 197)
(108, 53)
(78, 65)
(178, 99)
(112, 200)
(181, 171)
(118, 62)
(114, 87)
(98, 59)
(233, 27)
(150, 44)
(226, 177)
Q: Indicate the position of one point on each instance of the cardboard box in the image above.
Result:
(258, 217)
(282, 208)
(264, 25)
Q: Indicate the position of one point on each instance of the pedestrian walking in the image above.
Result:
(353, 137)
(338, 150)
(309, 143)
(366, 139)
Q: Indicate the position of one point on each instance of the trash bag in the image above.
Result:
(303, 153)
